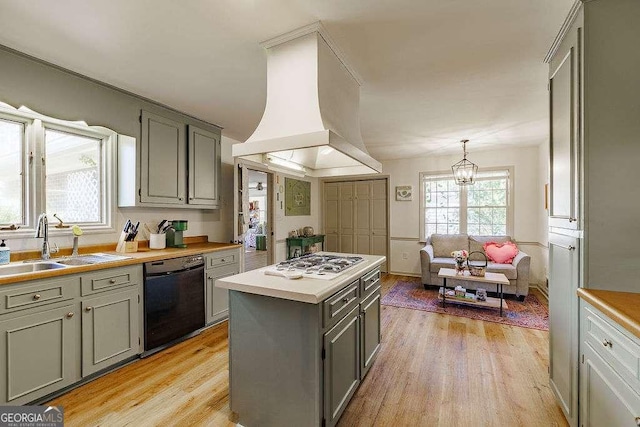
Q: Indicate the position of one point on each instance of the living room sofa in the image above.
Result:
(436, 254)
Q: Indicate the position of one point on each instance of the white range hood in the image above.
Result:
(311, 123)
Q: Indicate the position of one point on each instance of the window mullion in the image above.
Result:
(463, 209)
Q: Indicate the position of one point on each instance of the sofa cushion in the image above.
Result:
(441, 262)
(507, 269)
(476, 243)
(444, 244)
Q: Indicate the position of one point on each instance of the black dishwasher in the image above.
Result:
(173, 301)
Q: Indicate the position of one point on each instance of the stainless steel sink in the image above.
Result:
(29, 268)
(97, 258)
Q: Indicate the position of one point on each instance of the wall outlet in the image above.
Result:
(405, 255)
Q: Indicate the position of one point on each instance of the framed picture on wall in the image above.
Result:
(404, 193)
(297, 197)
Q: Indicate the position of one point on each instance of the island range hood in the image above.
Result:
(311, 123)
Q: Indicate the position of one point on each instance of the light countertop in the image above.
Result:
(304, 289)
(140, 257)
(622, 307)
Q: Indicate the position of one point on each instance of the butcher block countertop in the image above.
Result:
(196, 245)
(304, 289)
(622, 307)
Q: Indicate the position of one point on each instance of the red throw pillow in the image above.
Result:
(501, 253)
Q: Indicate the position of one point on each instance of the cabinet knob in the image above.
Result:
(180, 198)
(571, 248)
(112, 281)
(88, 308)
(223, 260)
(70, 315)
(36, 297)
(345, 300)
(573, 219)
(607, 343)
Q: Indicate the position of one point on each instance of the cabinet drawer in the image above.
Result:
(338, 305)
(112, 278)
(369, 282)
(42, 292)
(620, 351)
(224, 271)
(221, 258)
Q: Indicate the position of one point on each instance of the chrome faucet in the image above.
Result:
(42, 231)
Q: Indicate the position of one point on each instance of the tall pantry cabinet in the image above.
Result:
(355, 217)
(594, 173)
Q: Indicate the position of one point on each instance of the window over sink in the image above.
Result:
(54, 166)
(483, 208)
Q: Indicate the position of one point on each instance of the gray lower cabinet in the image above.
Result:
(54, 332)
(609, 372)
(370, 335)
(295, 363)
(38, 353)
(563, 322)
(218, 265)
(110, 329)
(341, 365)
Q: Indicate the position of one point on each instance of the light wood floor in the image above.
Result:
(254, 259)
(432, 370)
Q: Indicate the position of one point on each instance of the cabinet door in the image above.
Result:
(362, 213)
(204, 168)
(38, 354)
(369, 332)
(341, 365)
(563, 322)
(379, 233)
(162, 160)
(605, 398)
(346, 211)
(217, 299)
(331, 215)
(564, 136)
(110, 329)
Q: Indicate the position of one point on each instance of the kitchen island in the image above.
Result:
(298, 349)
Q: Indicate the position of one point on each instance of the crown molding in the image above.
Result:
(566, 25)
(315, 27)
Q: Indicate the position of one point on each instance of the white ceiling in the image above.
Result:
(435, 71)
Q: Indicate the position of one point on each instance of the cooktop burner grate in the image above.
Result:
(319, 264)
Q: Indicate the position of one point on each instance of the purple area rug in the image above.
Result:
(530, 313)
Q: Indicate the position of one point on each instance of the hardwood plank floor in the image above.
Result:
(432, 370)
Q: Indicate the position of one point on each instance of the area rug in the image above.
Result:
(530, 313)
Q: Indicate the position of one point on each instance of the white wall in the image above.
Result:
(528, 198)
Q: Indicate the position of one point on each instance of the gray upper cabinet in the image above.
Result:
(563, 138)
(175, 165)
(204, 170)
(163, 162)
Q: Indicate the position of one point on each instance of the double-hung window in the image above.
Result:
(483, 208)
(54, 166)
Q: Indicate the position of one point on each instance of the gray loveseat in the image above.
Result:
(437, 254)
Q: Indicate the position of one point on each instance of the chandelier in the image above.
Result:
(464, 172)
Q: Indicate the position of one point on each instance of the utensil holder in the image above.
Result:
(477, 270)
(157, 241)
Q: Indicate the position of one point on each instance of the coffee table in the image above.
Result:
(497, 279)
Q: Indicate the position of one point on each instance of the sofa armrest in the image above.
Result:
(522, 263)
(426, 256)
